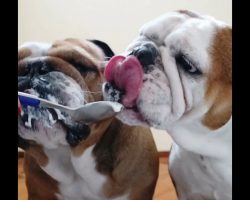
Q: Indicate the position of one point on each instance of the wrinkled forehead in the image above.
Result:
(161, 27)
(186, 32)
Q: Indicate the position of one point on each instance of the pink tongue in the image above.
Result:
(127, 75)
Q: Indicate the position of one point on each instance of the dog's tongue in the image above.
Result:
(127, 74)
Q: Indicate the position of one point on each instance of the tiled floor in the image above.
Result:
(164, 189)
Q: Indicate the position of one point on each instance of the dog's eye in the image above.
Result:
(186, 64)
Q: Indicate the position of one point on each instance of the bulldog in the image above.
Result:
(177, 76)
(71, 160)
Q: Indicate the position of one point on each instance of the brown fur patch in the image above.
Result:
(219, 83)
(39, 184)
(74, 54)
(23, 53)
(128, 148)
(83, 55)
(96, 132)
(37, 152)
(96, 53)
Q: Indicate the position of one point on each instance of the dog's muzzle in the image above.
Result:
(41, 80)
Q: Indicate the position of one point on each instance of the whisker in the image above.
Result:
(88, 93)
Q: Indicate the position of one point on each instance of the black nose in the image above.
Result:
(33, 69)
(146, 54)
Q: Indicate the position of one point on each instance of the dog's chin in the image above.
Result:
(132, 117)
(48, 136)
(142, 117)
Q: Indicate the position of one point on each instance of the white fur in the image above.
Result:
(60, 167)
(77, 176)
(37, 48)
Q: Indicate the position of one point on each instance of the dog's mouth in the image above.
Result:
(59, 88)
(124, 77)
(125, 74)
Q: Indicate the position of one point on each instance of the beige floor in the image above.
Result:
(164, 188)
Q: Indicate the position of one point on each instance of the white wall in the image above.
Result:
(114, 21)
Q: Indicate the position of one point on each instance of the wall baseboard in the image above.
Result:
(163, 154)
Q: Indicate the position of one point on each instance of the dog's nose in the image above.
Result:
(146, 54)
(34, 69)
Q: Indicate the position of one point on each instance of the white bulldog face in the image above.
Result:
(186, 62)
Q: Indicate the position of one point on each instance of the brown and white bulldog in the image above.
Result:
(68, 160)
(177, 75)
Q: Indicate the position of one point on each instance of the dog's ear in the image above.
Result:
(105, 47)
(106, 50)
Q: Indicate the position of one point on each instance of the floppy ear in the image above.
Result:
(105, 48)
(219, 83)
